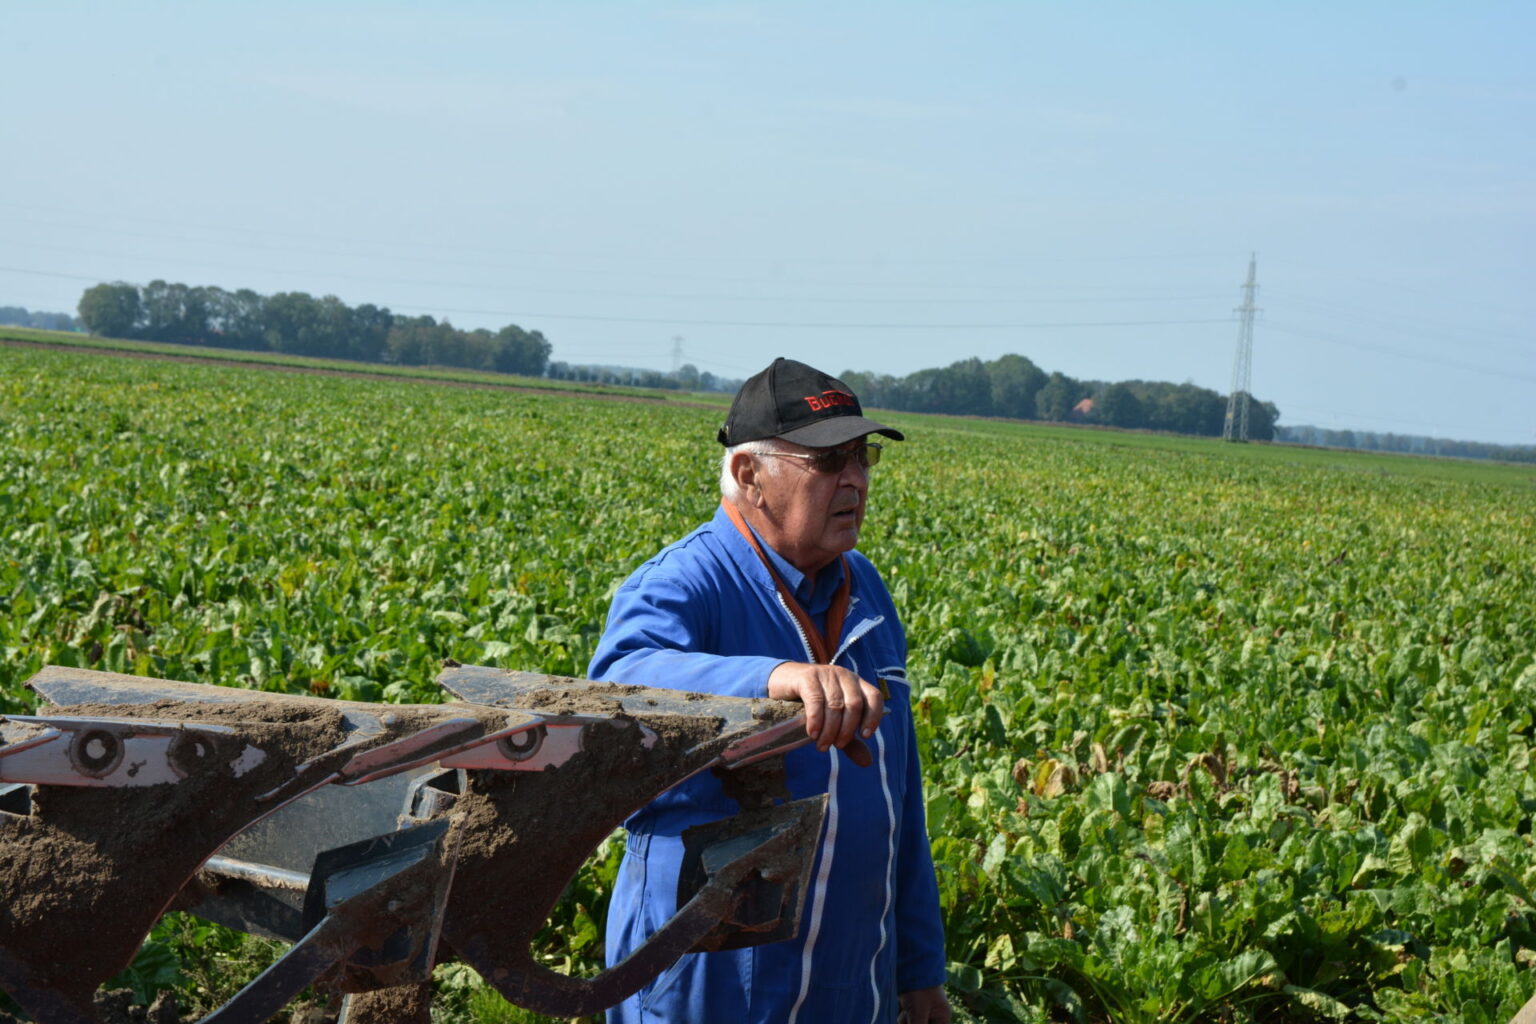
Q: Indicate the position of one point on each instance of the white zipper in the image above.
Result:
(819, 900)
(805, 641)
(857, 632)
(890, 867)
(829, 843)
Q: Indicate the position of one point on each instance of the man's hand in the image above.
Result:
(924, 1006)
(839, 706)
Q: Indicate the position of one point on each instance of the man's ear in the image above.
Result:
(744, 470)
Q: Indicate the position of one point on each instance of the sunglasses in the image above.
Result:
(833, 460)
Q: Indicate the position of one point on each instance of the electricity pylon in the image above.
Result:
(1235, 427)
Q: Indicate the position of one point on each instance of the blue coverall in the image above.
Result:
(704, 615)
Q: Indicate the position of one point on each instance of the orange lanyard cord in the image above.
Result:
(820, 648)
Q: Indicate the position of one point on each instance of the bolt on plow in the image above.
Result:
(378, 840)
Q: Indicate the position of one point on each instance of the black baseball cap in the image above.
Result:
(798, 403)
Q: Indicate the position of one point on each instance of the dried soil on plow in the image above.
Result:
(66, 872)
(106, 843)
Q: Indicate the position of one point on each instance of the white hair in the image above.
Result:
(766, 446)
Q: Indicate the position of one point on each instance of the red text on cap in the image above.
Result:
(829, 400)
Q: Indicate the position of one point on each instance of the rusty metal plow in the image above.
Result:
(378, 839)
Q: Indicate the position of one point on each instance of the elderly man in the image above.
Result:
(770, 599)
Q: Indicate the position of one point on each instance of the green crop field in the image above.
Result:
(89, 344)
(1212, 732)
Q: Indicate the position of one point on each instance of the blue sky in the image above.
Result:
(871, 186)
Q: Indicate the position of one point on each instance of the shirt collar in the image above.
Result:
(814, 593)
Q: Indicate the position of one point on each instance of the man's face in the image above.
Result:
(808, 515)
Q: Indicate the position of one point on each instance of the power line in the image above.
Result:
(1374, 282)
(780, 324)
(829, 325)
(1400, 353)
(45, 273)
(1424, 327)
(889, 325)
(372, 245)
(1012, 299)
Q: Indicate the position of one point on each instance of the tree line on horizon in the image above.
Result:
(20, 316)
(1010, 387)
(297, 323)
(1013, 387)
(1405, 444)
(685, 378)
